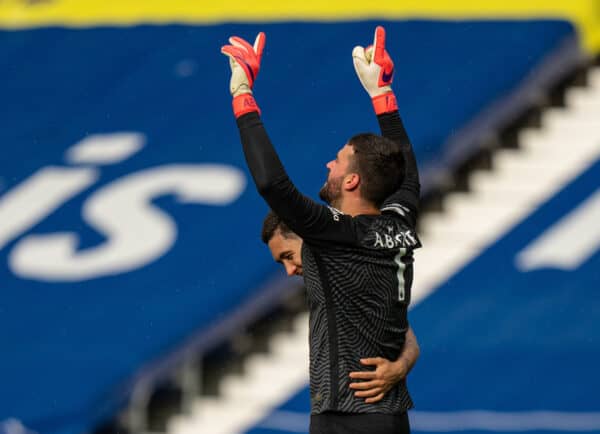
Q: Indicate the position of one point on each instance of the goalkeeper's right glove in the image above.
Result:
(244, 60)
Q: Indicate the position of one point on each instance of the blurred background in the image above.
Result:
(135, 294)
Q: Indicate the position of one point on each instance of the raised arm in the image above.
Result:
(375, 70)
(304, 216)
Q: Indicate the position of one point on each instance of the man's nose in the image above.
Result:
(290, 269)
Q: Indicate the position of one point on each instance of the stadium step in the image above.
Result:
(244, 399)
(520, 180)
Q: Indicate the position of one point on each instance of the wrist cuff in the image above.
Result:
(243, 104)
(385, 103)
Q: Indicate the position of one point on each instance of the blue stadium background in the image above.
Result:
(72, 349)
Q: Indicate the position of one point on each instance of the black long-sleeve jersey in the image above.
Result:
(358, 271)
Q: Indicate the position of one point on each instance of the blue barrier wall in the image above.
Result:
(115, 250)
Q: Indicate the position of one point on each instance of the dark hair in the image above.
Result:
(272, 224)
(380, 164)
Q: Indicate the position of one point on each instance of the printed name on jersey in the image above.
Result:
(391, 241)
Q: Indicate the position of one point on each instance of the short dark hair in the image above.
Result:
(272, 224)
(380, 164)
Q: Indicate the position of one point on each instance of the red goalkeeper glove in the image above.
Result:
(375, 70)
(244, 60)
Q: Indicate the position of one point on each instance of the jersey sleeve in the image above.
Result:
(405, 200)
(309, 219)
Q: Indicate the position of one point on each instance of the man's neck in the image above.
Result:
(356, 206)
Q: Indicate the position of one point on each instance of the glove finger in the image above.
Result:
(259, 45)
(234, 43)
(226, 50)
(232, 51)
(241, 43)
(359, 59)
(369, 53)
(379, 45)
(359, 53)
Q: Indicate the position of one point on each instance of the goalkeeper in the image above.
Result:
(357, 253)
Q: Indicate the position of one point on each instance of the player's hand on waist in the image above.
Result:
(373, 385)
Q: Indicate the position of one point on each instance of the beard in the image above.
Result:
(331, 192)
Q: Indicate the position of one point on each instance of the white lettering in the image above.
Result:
(38, 196)
(105, 148)
(569, 242)
(136, 232)
(389, 241)
(378, 240)
(401, 239)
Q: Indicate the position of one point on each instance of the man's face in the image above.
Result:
(286, 251)
(331, 192)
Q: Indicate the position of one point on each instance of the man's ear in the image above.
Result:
(351, 181)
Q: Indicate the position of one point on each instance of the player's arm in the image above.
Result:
(411, 352)
(385, 374)
(375, 70)
(304, 216)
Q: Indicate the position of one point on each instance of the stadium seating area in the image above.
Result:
(129, 223)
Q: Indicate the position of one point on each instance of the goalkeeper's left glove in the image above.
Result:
(244, 60)
(375, 70)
